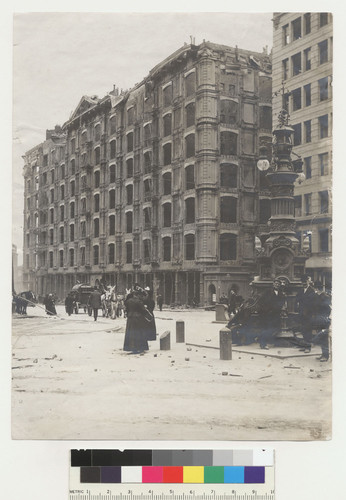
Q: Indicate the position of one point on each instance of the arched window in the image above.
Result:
(129, 222)
(166, 247)
(112, 224)
(111, 197)
(72, 188)
(128, 252)
(61, 234)
(190, 114)
(147, 189)
(129, 142)
(71, 257)
(95, 255)
(167, 183)
(83, 206)
(96, 203)
(111, 253)
(129, 168)
(167, 125)
(228, 175)
(73, 167)
(228, 111)
(147, 218)
(112, 174)
(112, 149)
(129, 194)
(51, 259)
(147, 250)
(97, 156)
(228, 246)
(189, 247)
(71, 232)
(189, 210)
(97, 179)
(167, 215)
(112, 124)
(147, 132)
(130, 115)
(190, 145)
(83, 138)
(61, 258)
(97, 132)
(51, 236)
(51, 216)
(190, 84)
(62, 213)
(167, 154)
(228, 143)
(96, 228)
(72, 209)
(190, 177)
(82, 256)
(228, 209)
(147, 162)
(167, 95)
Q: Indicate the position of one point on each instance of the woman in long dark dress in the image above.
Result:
(136, 333)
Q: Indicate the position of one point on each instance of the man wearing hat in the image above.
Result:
(305, 306)
(321, 320)
(269, 309)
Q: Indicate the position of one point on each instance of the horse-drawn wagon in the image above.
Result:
(81, 293)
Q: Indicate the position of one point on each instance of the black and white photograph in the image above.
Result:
(172, 226)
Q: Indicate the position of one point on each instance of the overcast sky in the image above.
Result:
(59, 57)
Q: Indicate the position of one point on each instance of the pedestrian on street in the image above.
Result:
(48, 302)
(160, 301)
(95, 302)
(149, 304)
(270, 306)
(305, 305)
(321, 320)
(235, 300)
(69, 303)
(136, 330)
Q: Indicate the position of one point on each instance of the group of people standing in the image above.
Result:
(259, 318)
(140, 325)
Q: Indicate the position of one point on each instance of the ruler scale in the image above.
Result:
(172, 475)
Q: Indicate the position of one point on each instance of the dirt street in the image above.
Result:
(71, 380)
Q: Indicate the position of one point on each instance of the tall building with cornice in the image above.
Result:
(303, 67)
(156, 185)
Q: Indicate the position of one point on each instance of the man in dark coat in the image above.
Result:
(305, 306)
(149, 304)
(95, 302)
(69, 303)
(270, 306)
(321, 320)
(136, 332)
(160, 301)
(235, 300)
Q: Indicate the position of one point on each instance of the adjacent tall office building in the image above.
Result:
(156, 185)
(302, 83)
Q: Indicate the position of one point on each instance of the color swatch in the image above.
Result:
(172, 466)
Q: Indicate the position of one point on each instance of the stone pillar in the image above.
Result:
(180, 332)
(165, 341)
(225, 343)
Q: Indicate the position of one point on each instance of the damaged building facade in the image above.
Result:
(156, 185)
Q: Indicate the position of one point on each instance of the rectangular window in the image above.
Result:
(307, 201)
(323, 19)
(296, 64)
(324, 237)
(307, 130)
(285, 35)
(324, 202)
(307, 59)
(323, 125)
(307, 94)
(297, 134)
(323, 161)
(285, 69)
(297, 99)
(307, 23)
(323, 51)
(298, 206)
(307, 167)
(323, 88)
(297, 28)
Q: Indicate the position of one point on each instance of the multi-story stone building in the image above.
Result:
(302, 66)
(158, 184)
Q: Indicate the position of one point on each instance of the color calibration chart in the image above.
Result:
(172, 474)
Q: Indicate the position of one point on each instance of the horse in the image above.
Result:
(23, 299)
(106, 303)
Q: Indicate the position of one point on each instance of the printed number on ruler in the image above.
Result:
(234, 494)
